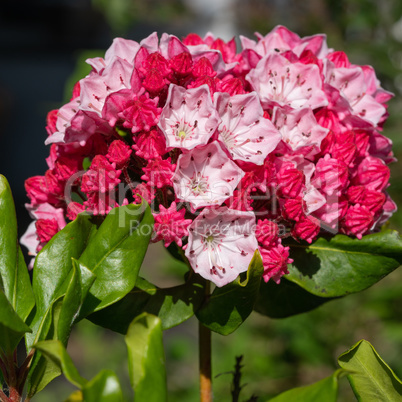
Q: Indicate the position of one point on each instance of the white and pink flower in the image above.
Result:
(221, 244)
(284, 130)
(206, 176)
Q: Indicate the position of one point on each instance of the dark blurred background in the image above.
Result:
(41, 44)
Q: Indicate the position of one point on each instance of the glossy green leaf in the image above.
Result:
(55, 351)
(285, 299)
(325, 390)
(53, 271)
(80, 283)
(104, 387)
(147, 359)
(371, 378)
(172, 305)
(58, 322)
(12, 328)
(229, 306)
(343, 265)
(14, 277)
(115, 254)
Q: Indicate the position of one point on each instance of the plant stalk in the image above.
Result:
(204, 341)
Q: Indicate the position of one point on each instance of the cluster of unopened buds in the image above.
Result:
(234, 151)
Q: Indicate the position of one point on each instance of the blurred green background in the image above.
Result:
(278, 354)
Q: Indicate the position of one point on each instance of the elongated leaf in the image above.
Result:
(55, 351)
(172, 305)
(12, 328)
(325, 390)
(81, 281)
(53, 271)
(105, 387)
(147, 359)
(371, 378)
(115, 254)
(229, 306)
(343, 265)
(14, 277)
(285, 299)
(58, 324)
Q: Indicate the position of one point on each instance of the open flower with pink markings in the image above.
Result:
(279, 82)
(221, 244)
(206, 176)
(244, 131)
(188, 118)
(283, 131)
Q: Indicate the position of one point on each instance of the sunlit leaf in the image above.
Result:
(371, 378)
(147, 359)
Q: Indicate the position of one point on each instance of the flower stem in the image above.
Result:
(204, 340)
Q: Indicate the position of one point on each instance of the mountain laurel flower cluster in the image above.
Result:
(235, 151)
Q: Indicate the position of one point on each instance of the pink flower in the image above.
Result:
(275, 260)
(307, 228)
(283, 39)
(189, 118)
(73, 209)
(331, 175)
(50, 219)
(159, 172)
(221, 244)
(144, 190)
(381, 147)
(150, 144)
(293, 208)
(135, 111)
(63, 121)
(352, 86)
(357, 221)
(101, 177)
(119, 153)
(243, 130)
(279, 82)
(331, 213)
(299, 128)
(267, 232)
(170, 225)
(290, 180)
(205, 176)
(46, 229)
(96, 87)
(373, 173)
(121, 48)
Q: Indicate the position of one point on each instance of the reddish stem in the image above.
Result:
(204, 341)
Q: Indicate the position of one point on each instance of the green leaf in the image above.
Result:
(285, 299)
(82, 279)
(12, 328)
(229, 306)
(172, 305)
(53, 271)
(14, 277)
(56, 322)
(115, 254)
(147, 359)
(55, 352)
(104, 387)
(323, 390)
(343, 265)
(371, 378)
